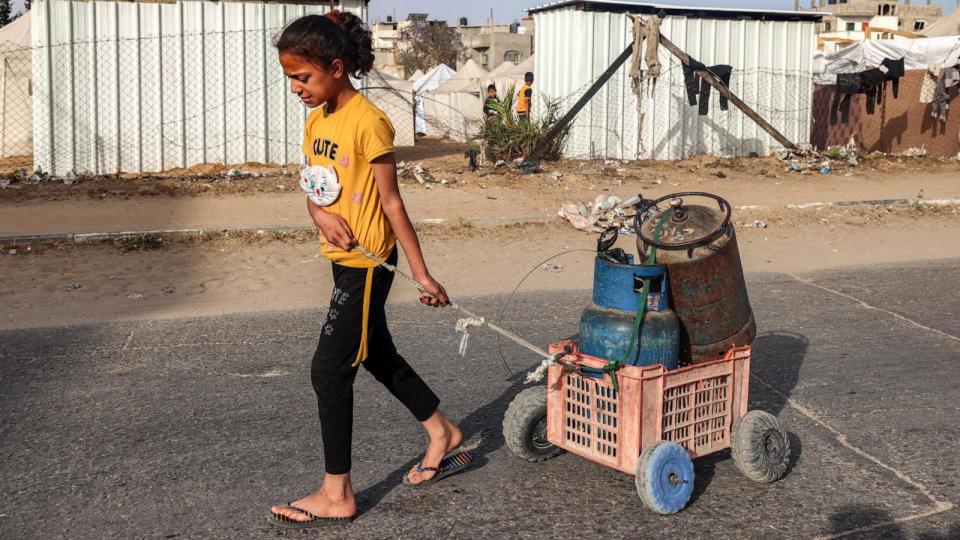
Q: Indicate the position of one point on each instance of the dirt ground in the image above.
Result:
(52, 285)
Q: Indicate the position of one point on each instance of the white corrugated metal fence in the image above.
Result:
(772, 73)
(134, 87)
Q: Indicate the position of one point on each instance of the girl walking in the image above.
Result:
(347, 133)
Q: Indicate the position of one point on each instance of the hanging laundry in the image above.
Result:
(872, 81)
(723, 73)
(940, 107)
(894, 71)
(931, 76)
(848, 84)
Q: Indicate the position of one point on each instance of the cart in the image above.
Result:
(650, 423)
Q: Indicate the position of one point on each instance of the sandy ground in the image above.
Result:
(55, 285)
(481, 195)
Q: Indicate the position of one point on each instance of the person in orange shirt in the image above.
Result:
(347, 137)
(525, 97)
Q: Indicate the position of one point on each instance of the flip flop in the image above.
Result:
(454, 462)
(315, 521)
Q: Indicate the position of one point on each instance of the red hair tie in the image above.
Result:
(334, 15)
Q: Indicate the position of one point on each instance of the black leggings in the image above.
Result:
(355, 333)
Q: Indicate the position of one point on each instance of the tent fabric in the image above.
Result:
(502, 69)
(416, 76)
(916, 53)
(433, 79)
(16, 103)
(16, 34)
(393, 96)
(467, 79)
(948, 25)
(523, 67)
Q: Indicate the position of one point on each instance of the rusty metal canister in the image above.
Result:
(698, 245)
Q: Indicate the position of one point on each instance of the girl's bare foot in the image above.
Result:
(334, 499)
(444, 437)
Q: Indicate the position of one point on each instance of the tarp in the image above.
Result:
(948, 25)
(433, 79)
(416, 76)
(916, 53)
(16, 105)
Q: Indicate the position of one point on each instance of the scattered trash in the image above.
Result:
(609, 163)
(529, 167)
(853, 161)
(760, 224)
(605, 211)
(38, 176)
(518, 161)
(4, 182)
(422, 175)
(825, 169)
(556, 268)
(168, 290)
(74, 286)
(232, 172)
(135, 296)
(13, 252)
(70, 179)
(915, 152)
(261, 232)
(444, 181)
(499, 163)
(720, 174)
(557, 175)
(632, 201)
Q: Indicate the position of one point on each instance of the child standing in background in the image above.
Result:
(346, 131)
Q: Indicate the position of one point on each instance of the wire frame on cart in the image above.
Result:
(693, 406)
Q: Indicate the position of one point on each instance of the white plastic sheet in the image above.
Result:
(916, 54)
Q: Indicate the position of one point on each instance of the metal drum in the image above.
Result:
(698, 246)
(606, 326)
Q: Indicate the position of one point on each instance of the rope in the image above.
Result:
(463, 325)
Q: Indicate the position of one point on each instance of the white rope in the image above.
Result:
(472, 319)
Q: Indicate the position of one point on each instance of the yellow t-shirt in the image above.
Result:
(349, 139)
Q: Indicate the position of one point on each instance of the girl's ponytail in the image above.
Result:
(361, 43)
(324, 38)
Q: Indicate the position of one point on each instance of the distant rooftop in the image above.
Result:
(650, 8)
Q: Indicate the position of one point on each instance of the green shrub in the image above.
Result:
(508, 137)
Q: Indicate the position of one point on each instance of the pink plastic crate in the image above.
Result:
(693, 406)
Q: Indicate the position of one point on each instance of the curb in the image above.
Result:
(79, 238)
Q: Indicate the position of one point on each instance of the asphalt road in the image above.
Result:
(192, 428)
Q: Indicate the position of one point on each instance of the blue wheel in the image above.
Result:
(665, 477)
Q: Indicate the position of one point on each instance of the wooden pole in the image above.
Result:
(715, 82)
(572, 113)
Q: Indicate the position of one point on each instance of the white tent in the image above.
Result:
(502, 69)
(16, 107)
(455, 109)
(945, 26)
(433, 79)
(394, 96)
(416, 76)
(522, 68)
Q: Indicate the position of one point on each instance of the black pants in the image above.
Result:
(356, 333)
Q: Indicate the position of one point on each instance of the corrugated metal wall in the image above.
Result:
(134, 87)
(772, 73)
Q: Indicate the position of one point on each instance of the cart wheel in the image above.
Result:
(665, 477)
(525, 426)
(760, 447)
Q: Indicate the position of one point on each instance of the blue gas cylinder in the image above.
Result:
(606, 325)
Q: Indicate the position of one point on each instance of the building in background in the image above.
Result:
(491, 44)
(849, 21)
(388, 41)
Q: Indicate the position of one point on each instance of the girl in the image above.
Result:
(346, 131)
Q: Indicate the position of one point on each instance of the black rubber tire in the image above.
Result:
(524, 426)
(760, 446)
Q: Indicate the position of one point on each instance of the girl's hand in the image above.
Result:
(334, 228)
(436, 295)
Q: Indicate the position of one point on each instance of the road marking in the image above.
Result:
(939, 506)
(875, 308)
